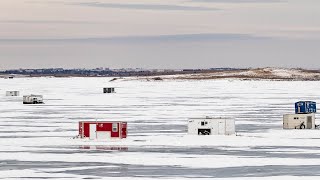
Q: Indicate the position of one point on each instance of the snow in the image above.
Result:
(271, 74)
(37, 141)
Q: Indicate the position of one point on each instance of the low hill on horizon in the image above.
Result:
(289, 74)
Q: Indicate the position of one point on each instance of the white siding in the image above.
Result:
(293, 121)
(216, 126)
(230, 127)
(30, 99)
(12, 93)
(104, 135)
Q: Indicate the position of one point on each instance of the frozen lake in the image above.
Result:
(36, 141)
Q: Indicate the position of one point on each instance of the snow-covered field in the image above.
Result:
(36, 141)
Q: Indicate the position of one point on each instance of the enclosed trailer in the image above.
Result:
(33, 99)
(299, 121)
(12, 93)
(108, 90)
(304, 107)
(211, 126)
(102, 130)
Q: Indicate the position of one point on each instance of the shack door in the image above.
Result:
(124, 130)
(93, 131)
(222, 128)
(309, 122)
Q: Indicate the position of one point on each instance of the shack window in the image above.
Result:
(203, 123)
(296, 118)
(114, 127)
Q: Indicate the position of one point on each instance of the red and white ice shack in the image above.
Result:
(102, 130)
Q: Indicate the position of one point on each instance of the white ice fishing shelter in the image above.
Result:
(12, 93)
(211, 126)
(33, 99)
(299, 121)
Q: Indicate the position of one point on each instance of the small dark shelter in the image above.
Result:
(108, 90)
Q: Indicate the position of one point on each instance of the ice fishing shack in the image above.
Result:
(108, 90)
(102, 130)
(304, 117)
(299, 121)
(304, 107)
(211, 126)
(33, 99)
(12, 93)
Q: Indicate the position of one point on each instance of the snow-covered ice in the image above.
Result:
(36, 141)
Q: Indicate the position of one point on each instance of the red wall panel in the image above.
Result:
(103, 126)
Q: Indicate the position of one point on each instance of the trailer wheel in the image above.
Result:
(302, 126)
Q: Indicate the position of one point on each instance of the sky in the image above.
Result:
(159, 34)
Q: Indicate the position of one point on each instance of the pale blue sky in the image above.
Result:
(159, 33)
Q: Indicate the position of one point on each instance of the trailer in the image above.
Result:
(102, 130)
(305, 107)
(12, 93)
(211, 126)
(108, 90)
(299, 121)
(33, 99)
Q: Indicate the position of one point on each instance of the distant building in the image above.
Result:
(12, 93)
(211, 126)
(102, 130)
(299, 121)
(33, 99)
(108, 90)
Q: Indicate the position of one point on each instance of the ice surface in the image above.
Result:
(36, 141)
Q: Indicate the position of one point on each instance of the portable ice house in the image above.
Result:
(299, 121)
(32, 99)
(211, 126)
(108, 90)
(303, 107)
(102, 130)
(12, 93)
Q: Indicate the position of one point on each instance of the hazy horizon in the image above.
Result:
(176, 69)
(159, 34)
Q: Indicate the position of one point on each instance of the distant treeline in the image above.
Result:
(60, 72)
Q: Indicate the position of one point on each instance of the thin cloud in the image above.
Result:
(147, 39)
(135, 6)
(146, 6)
(46, 22)
(240, 1)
